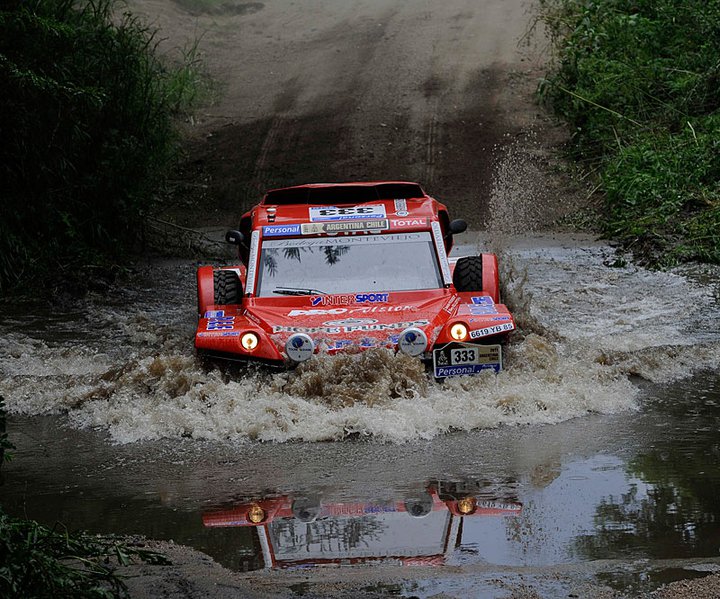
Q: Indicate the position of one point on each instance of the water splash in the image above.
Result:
(584, 329)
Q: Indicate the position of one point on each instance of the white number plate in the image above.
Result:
(464, 356)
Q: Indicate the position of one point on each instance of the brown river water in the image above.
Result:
(602, 430)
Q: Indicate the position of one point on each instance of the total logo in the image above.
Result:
(347, 299)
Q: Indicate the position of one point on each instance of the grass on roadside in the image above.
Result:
(87, 119)
(40, 562)
(638, 81)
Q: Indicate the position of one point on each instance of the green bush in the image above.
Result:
(87, 133)
(39, 562)
(639, 83)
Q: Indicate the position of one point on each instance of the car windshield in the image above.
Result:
(348, 264)
(391, 534)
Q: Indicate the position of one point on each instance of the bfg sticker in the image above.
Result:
(323, 213)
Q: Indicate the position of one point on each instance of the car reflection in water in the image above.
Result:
(421, 529)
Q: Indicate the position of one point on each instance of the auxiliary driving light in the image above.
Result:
(458, 331)
(249, 341)
(299, 347)
(256, 514)
(466, 505)
(412, 341)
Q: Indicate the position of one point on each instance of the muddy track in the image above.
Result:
(379, 89)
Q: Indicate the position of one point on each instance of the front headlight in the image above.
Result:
(249, 341)
(459, 331)
(256, 514)
(466, 505)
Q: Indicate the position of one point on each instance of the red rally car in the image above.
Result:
(329, 268)
(297, 532)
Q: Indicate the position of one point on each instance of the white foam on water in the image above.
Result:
(584, 329)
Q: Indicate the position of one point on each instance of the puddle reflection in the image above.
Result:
(423, 528)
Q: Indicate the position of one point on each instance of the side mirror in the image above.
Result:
(235, 237)
(458, 226)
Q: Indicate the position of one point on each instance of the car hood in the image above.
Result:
(373, 319)
(337, 321)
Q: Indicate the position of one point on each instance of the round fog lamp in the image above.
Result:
(412, 341)
(299, 347)
(249, 341)
(458, 331)
(256, 514)
(466, 505)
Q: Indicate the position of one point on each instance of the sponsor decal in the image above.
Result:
(252, 317)
(347, 299)
(399, 223)
(368, 310)
(452, 305)
(442, 255)
(383, 309)
(352, 226)
(494, 330)
(481, 310)
(325, 213)
(401, 208)
(220, 334)
(220, 324)
(316, 312)
(483, 300)
(500, 319)
(356, 509)
(482, 305)
(285, 329)
(329, 344)
(379, 509)
(214, 313)
(281, 230)
(252, 261)
(445, 371)
(346, 240)
(349, 322)
(349, 327)
(332, 345)
(498, 505)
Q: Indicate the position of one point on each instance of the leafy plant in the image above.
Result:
(86, 119)
(638, 81)
(39, 562)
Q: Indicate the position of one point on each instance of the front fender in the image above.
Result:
(205, 289)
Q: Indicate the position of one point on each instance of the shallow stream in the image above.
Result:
(601, 434)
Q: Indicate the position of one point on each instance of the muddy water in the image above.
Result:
(603, 428)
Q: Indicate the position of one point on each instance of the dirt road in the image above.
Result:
(332, 90)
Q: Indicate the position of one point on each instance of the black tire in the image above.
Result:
(227, 287)
(468, 275)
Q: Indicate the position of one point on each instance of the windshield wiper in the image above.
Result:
(297, 291)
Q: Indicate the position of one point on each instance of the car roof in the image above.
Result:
(343, 193)
(390, 200)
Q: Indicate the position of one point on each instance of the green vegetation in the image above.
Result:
(36, 561)
(86, 121)
(639, 83)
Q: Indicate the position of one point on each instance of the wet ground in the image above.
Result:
(594, 456)
(592, 459)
